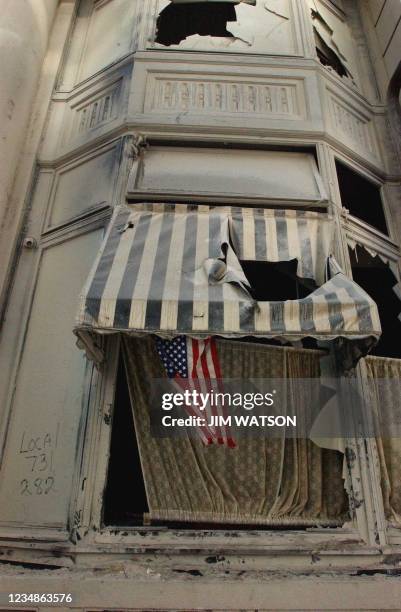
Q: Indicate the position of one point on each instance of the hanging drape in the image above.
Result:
(386, 404)
(262, 481)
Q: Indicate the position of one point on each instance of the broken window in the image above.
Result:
(254, 26)
(327, 56)
(376, 278)
(125, 498)
(328, 51)
(276, 281)
(361, 197)
(183, 18)
(180, 20)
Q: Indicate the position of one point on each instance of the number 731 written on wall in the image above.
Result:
(37, 453)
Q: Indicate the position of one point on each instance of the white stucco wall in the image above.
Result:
(24, 32)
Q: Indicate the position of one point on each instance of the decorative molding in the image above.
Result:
(277, 98)
(101, 108)
(78, 118)
(351, 125)
(138, 145)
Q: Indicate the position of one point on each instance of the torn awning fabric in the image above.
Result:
(175, 270)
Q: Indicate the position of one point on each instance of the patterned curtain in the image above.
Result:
(387, 403)
(262, 481)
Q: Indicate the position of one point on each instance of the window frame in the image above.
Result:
(367, 526)
(148, 42)
(354, 229)
(355, 221)
(135, 194)
(351, 223)
(359, 231)
(162, 538)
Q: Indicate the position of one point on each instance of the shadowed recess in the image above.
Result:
(178, 21)
(125, 498)
(361, 197)
(376, 278)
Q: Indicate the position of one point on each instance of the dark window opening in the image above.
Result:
(361, 197)
(125, 499)
(305, 343)
(376, 278)
(328, 57)
(178, 21)
(276, 281)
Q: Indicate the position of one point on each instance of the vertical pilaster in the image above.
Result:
(361, 458)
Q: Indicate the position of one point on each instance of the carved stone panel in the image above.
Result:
(86, 113)
(97, 111)
(352, 125)
(268, 97)
(170, 90)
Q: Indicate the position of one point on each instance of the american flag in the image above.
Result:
(194, 365)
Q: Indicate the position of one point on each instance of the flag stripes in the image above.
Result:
(193, 365)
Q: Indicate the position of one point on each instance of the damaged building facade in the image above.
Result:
(219, 168)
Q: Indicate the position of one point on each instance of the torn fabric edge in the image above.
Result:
(353, 243)
(94, 353)
(139, 241)
(330, 412)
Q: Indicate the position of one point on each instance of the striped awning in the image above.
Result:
(175, 269)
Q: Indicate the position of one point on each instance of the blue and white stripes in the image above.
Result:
(150, 275)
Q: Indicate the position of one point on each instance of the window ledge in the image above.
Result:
(177, 539)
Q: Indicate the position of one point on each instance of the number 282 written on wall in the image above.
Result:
(37, 452)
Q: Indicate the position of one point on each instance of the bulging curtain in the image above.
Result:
(262, 481)
(384, 371)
